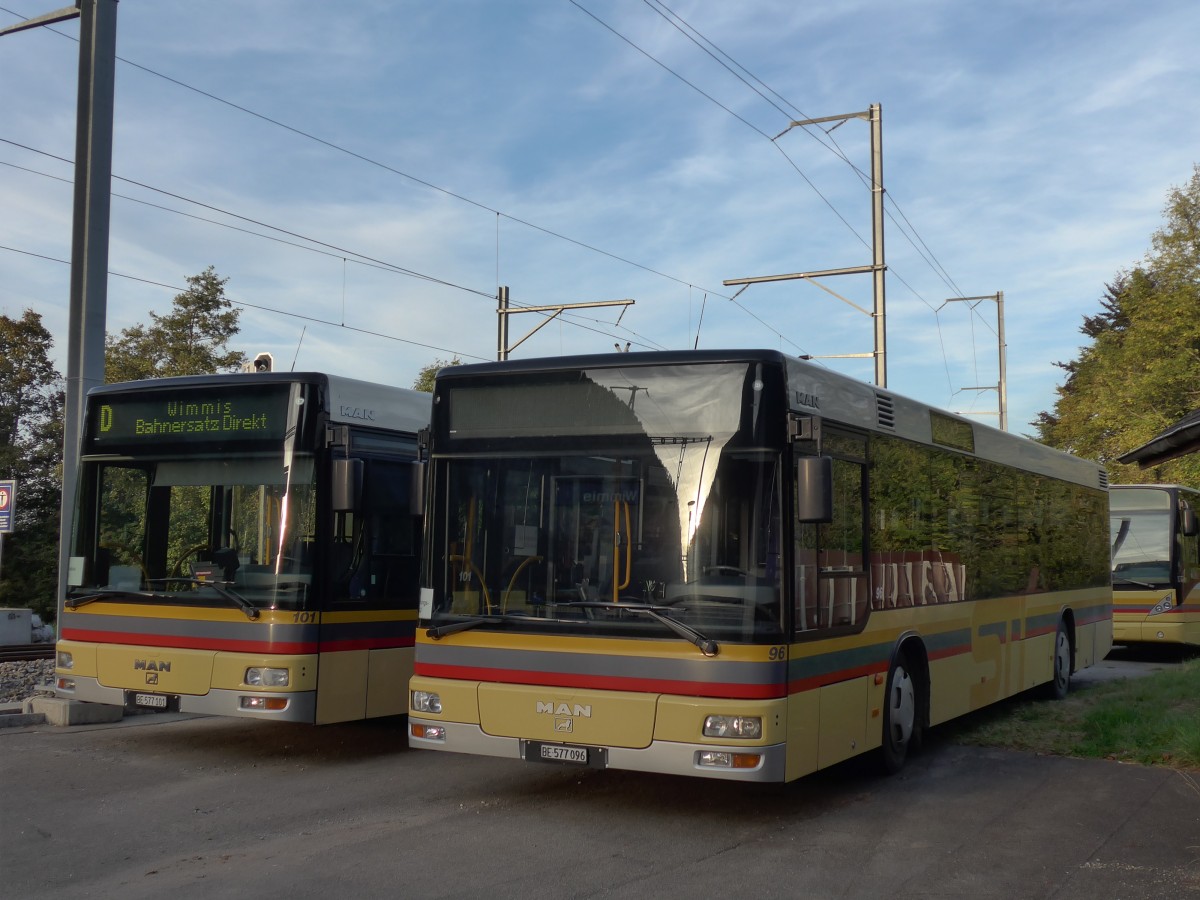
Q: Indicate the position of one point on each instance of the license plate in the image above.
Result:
(536, 751)
(155, 701)
(565, 754)
(557, 753)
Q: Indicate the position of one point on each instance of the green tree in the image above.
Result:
(31, 412)
(192, 339)
(424, 380)
(1141, 371)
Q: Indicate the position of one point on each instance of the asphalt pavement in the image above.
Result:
(191, 807)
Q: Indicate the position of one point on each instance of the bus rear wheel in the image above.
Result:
(1060, 683)
(901, 726)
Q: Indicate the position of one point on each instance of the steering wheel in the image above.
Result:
(177, 569)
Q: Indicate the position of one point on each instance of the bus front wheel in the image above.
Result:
(901, 728)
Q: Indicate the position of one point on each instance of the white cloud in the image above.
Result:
(1031, 146)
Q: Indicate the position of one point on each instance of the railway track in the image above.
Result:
(22, 652)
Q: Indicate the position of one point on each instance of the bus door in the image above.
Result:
(594, 526)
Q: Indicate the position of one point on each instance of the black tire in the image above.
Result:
(1060, 681)
(901, 715)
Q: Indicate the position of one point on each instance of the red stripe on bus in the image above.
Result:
(1038, 632)
(186, 643)
(947, 652)
(1144, 610)
(604, 682)
(367, 644)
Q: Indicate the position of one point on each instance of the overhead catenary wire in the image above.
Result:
(306, 134)
(903, 224)
(312, 245)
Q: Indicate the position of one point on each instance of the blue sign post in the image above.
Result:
(8, 502)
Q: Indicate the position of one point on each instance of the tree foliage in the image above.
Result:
(424, 380)
(31, 436)
(1141, 371)
(191, 339)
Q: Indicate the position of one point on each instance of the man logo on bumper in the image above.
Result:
(564, 713)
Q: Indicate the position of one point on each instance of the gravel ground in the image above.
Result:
(19, 680)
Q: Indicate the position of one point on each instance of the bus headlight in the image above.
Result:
(426, 701)
(261, 676)
(714, 759)
(744, 727)
(65, 660)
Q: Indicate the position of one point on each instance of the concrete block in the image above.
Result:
(61, 711)
(16, 717)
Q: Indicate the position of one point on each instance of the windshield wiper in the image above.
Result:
(707, 646)
(1143, 584)
(245, 605)
(108, 593)
(440, 631)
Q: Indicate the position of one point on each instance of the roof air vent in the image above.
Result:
(884, 411)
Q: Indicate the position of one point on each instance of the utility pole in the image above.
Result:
(1001, 386)
(89, 234)
(503, 311)
(877, 268)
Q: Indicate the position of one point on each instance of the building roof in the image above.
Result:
(1180, 439)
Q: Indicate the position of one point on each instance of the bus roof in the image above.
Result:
(830, 395)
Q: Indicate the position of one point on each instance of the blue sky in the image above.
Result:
(590, 150)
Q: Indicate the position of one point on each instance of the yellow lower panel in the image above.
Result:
(1039, 660)
(843, 720)
(803, 720)
(605, 718)
(388, 672)
(1127, 632)
(169, 671)
(229, 671)
(342, 686)
(460, 699)
(83, 658)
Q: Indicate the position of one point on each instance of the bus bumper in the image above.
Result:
(299, 706)
(662, 757)
(1149, 631)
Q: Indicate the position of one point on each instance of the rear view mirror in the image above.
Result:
(347, 484)
(814, 489)
(416, 493)
(1188, 521)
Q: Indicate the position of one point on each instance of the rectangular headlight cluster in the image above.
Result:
(747, 728)
(257, 676)
(426, 701)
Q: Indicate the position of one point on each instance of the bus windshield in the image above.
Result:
(1142, 528)
(650, 516)
(197, 530)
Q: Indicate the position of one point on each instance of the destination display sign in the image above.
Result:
(209, 415)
